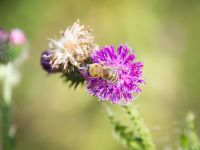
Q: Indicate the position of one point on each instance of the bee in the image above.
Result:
(100, 71)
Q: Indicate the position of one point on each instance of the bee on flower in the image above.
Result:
(114, 76)
(109, 75)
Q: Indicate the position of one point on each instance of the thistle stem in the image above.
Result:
(140, 128)
(5, 112)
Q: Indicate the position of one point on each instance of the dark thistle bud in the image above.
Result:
(46, 62)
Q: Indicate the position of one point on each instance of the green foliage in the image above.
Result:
(15, 51)
(3, 52)
(74, 78)
(7, 136)
(137, 137)
(10, 52)
(73, 75)
(189, 139)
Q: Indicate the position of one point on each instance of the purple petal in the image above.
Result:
(130, 58)
(129, 75)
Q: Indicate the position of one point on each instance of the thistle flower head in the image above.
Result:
(73, 48)
(13, 51)
(129, 74)
(13, 46)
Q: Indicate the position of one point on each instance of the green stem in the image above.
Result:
(140, 127)
(5, 111)
(135, 136)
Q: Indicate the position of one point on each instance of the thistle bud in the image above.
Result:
(45, 61)
(12, 45)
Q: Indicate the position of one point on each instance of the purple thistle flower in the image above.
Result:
(45, 61)
(128, 70)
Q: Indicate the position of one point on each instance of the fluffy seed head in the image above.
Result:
(73, 48)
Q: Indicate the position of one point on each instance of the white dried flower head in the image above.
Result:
(73, 48)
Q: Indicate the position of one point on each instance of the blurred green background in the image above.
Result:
(163, 33)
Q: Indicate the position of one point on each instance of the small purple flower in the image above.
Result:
(17, 37)
(2, 32)
(3, 35)
(128, 70)
(46, 62)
